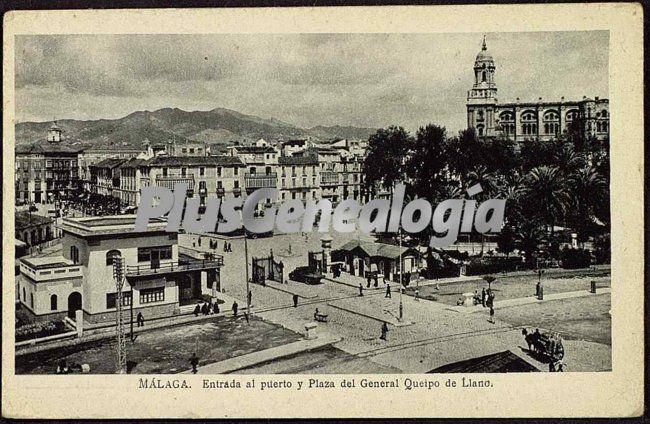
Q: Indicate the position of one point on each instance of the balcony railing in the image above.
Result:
(329, 177)
(170, 181)
(170, 267)
(255, 181)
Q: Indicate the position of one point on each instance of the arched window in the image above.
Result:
(74, 254)
(572, 115)
(53, 302)
(112, 254)
(529, 123)
(603, 114)
(551, 122)
(507, 121)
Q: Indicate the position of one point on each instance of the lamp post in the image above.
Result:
(401, 271)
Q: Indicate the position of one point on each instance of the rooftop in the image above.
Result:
(383, 250)
(43, 147)
(46, 262)
(255, 149)
(298, 160)
(27, 220)
(109, 163)
(108, 225)
(195, 161)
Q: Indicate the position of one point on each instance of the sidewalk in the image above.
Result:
(359, 306)
(267, 355)
(528, 300)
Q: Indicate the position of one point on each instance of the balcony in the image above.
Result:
(173, 267)
(329, 178)
(255, 181)
(171, 180)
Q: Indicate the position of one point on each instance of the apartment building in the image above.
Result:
(299, 177)
(46, 169)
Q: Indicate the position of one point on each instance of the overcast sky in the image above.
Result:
(370, 80)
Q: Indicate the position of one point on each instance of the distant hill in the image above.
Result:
(217, 126)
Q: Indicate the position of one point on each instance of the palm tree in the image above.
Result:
(588, 189)
(487, 180)
(547, 194)
(567, 159)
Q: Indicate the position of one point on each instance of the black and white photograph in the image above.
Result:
(408, 211)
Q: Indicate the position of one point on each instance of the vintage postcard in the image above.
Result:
(427, 211)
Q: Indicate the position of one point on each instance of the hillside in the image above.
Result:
(218, 126)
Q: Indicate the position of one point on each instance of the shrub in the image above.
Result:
(575, 258)
(493, 265)
(39, 329)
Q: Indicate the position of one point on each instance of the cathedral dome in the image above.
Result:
(484, 55)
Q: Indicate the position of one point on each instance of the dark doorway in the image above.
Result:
(361, 266)
(74, 303)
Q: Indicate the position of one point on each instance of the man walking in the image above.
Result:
(417, 295)
(483, 294)
(388, 295)
(491, 314)
(295, 300)
(360, 289)
(235, 307)
(384, 331)
(140, 319)
(194, 361)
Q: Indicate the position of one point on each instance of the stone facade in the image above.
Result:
(521, 121)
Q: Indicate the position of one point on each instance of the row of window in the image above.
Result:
(153, 295)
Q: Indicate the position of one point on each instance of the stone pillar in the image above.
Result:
(79, 322)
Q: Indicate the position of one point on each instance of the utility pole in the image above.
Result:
(248, 303)
(118, 275)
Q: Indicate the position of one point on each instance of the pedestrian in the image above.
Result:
(360, 289)
(388, 292)
(384, 331)
(295, 300)
(368, 280)
(215, 307)
(194, 360)
(417, 295)
(197, 310)
(491, 314)
(376, 280)
(204, 309)
(250, 298)
(140, 319)
(483, 295)
(235, 306)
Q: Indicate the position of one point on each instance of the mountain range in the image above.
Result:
(217, 126)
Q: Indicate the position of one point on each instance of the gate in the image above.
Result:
(267, 269)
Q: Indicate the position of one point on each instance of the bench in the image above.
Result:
(320, 317)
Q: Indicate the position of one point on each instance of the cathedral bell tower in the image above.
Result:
(482, 98)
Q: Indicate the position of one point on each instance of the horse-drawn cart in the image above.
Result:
(546, 344)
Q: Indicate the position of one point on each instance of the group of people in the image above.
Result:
(206, 308)
(227, 247)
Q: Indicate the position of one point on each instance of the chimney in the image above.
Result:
(540, 99)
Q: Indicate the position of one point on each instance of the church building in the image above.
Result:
(521, 121)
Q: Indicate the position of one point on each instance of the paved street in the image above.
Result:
(437, 336)
(434, 336)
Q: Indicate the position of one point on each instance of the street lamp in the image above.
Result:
(401, 271)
